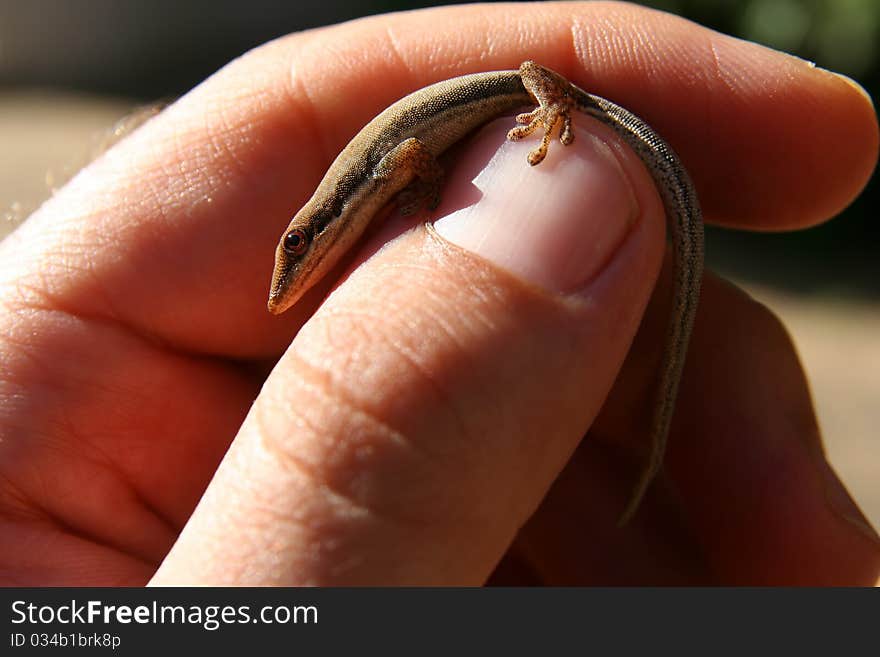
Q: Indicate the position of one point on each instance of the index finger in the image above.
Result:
(178, 224)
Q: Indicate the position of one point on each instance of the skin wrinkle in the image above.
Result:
(66, 533)
(96, 286)
(45, 517)
(21, 304)
(297, 94)
(335, 386)
(580, 48)
(14, 502)
(38, 357)
(326, 129)
(123, 497)
(125, 329)
(343, 406)
(37, 295)
(717, 68)
(409, 354)
(280, 453)
(65, 432)
(98, 290)
(336, 495)
(440, 396)
(394, 50)
(110, 461)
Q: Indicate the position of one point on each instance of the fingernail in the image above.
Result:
(556, 224)
(842, 505)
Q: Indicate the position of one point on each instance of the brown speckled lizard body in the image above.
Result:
(396, 154)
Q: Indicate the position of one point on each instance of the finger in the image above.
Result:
(755, 483)
(746, 497)
(421, 414)
(754, 126)
(176, 226)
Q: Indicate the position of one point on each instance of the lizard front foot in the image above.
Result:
(551, 91)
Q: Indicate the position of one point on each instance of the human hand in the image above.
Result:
(435, 403)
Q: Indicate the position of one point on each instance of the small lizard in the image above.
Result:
(396, 154)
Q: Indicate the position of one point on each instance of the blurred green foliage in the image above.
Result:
(838, 258)
(841, 35)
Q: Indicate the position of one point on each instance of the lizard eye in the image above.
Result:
(296, 242)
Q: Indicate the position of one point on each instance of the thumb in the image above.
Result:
(420, 416)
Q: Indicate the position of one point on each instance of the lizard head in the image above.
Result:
(308, 249)
(286, 286)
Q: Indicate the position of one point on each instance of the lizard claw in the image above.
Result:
(550, 91)
(545, 118)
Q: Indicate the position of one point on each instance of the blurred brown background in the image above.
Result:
(70, 70)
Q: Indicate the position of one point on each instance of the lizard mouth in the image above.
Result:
(286, 289)
(276, 304)
(282, 292)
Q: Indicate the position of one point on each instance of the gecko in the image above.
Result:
(395, 155)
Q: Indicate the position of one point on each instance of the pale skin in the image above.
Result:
(136, 341)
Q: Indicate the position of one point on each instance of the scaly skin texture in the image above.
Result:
(396, 153)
